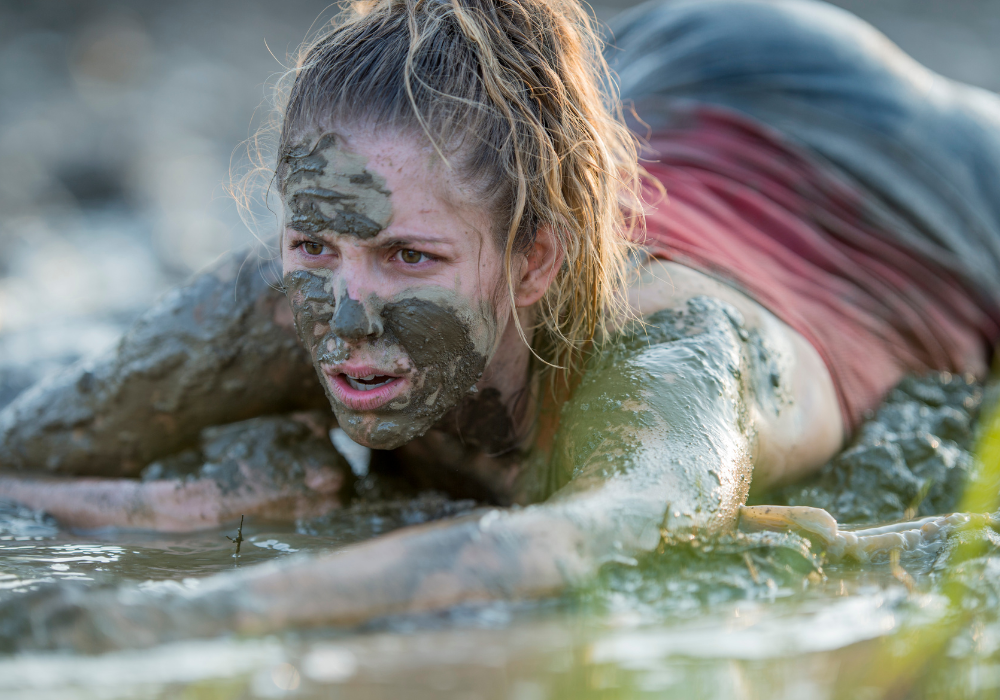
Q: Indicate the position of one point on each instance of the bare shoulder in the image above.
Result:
(662, 284)
(794, 404)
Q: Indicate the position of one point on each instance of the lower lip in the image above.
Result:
(359, 400)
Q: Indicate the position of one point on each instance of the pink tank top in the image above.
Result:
(747, 207)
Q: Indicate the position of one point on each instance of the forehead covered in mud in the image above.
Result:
(327, 187)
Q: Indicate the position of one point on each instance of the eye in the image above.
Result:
(312, 247)
(411, 257)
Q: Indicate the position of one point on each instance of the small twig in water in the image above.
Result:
(899, 573)
(751, 568)
(239, 537)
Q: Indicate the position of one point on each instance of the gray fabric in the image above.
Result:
(927, 149)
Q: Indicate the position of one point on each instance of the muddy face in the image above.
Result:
(389, 280)
(431, 346)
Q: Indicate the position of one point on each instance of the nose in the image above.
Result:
(351, 321)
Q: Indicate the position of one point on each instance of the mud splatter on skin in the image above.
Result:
(285, 464)
(661, 420)
(429, 334)
(484, 423)
(219, 349)
(474, 452)
(329, 189)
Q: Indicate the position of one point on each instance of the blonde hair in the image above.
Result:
(518, 94)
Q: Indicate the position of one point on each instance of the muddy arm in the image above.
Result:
(657, 439)
(219, 349)
(273, 467)
(501, 555)
(496, 556)
(660, 434)
(174, 505)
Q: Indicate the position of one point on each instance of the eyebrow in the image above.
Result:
(318, 238)
(395, 242)
(404, 241)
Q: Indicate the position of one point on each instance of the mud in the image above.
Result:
(663, 414)
(770, 366)
(328, 189)
(367, 518)
(474, 452)
(484, 423)
(912, 458)
(219, 349)
(956, 555)
(283, 457)
(429, 334)
(350, 322)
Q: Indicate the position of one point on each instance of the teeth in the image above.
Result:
(358, 386)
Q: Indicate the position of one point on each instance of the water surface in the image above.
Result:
(746, 616)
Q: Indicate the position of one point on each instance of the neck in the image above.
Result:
(497, 418)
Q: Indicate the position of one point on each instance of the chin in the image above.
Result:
(381, 431)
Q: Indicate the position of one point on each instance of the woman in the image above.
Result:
(458, 271)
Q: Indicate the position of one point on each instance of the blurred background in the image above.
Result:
(120, 121)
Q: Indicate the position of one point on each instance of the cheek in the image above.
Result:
(493, 289)
(312, 307)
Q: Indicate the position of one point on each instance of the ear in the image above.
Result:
(539, 268)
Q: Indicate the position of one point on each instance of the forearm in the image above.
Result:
(217, 350)
(171, 505)
(93, 503)
(496, 556)
(528, 554)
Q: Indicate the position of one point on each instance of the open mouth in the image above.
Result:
(364, 388)
(368, 383)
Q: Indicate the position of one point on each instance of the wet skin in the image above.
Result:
(662, 432)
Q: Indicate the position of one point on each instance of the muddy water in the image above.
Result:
(748, 616)
(703, 631)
